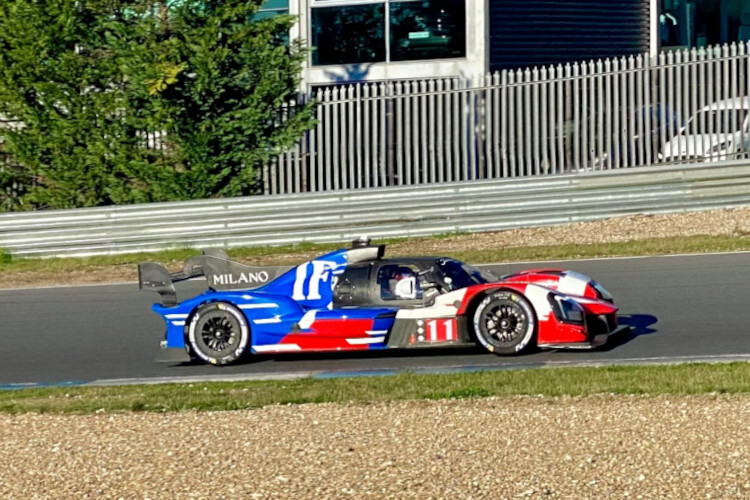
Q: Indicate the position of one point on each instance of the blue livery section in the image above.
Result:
(311, 284)
(275, 310)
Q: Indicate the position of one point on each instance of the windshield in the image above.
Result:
(717, 121)
(461, 275)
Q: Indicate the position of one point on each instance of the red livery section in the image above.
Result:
(332, 335)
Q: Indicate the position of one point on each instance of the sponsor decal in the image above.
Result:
(442, 330)
(309, 278)
(258, 278)
(435, 330)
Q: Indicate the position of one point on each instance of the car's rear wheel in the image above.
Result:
(504, 322)
(218, 333)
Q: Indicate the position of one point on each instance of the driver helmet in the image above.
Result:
(403, 272)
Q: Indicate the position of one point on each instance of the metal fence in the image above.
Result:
(598, 115)
(677, 107)
(489, 205)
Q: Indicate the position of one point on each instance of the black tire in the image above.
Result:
(218, 333)
(505, 323)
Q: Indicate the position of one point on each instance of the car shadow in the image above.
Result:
(375, 354)
(640, 324)
(283, 358)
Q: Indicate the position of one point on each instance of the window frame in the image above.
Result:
(380, 282)
(318, 4)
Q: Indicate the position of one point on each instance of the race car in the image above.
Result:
(355, 299)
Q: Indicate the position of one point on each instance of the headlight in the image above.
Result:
(566, 309)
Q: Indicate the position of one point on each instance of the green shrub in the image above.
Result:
(131, 101)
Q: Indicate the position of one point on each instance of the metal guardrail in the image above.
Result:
(473, 206)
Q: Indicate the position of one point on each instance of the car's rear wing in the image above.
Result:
(220, 272)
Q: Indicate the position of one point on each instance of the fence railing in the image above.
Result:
(489, 205)
(677, 107)
(598, 115)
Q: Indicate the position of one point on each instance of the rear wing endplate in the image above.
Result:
(220, 272)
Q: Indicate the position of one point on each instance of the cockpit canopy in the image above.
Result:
(403, 282)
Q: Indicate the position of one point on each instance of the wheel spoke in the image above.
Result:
(505, 322)
(219, 332)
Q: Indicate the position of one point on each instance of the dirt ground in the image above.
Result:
(598, 447)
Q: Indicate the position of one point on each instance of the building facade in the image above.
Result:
(585, 85)
(352, 40)
(378, 40)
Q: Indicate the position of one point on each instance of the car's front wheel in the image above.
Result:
(218, 333)
(504, 322)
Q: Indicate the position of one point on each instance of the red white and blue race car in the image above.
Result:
(355, 299)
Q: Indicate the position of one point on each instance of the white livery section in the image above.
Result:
(537, 295)
(445, 306)
(176, 319)
(267, 321)
(265, 305)
(277, 348)
(367, 340)
(307, 320)
(573, 283)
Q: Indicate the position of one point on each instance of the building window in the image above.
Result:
(427, 30)
(348, 34)
(698, 23)
(272, 8)
(345, 32)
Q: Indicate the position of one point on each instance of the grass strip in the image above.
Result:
(681, 379)
(418, 246)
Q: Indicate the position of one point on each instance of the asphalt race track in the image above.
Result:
(681, 308)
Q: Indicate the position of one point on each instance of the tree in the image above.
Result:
(59, 82)
(127, 101)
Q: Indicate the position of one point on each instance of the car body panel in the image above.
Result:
(354, 299)
(717, 132)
